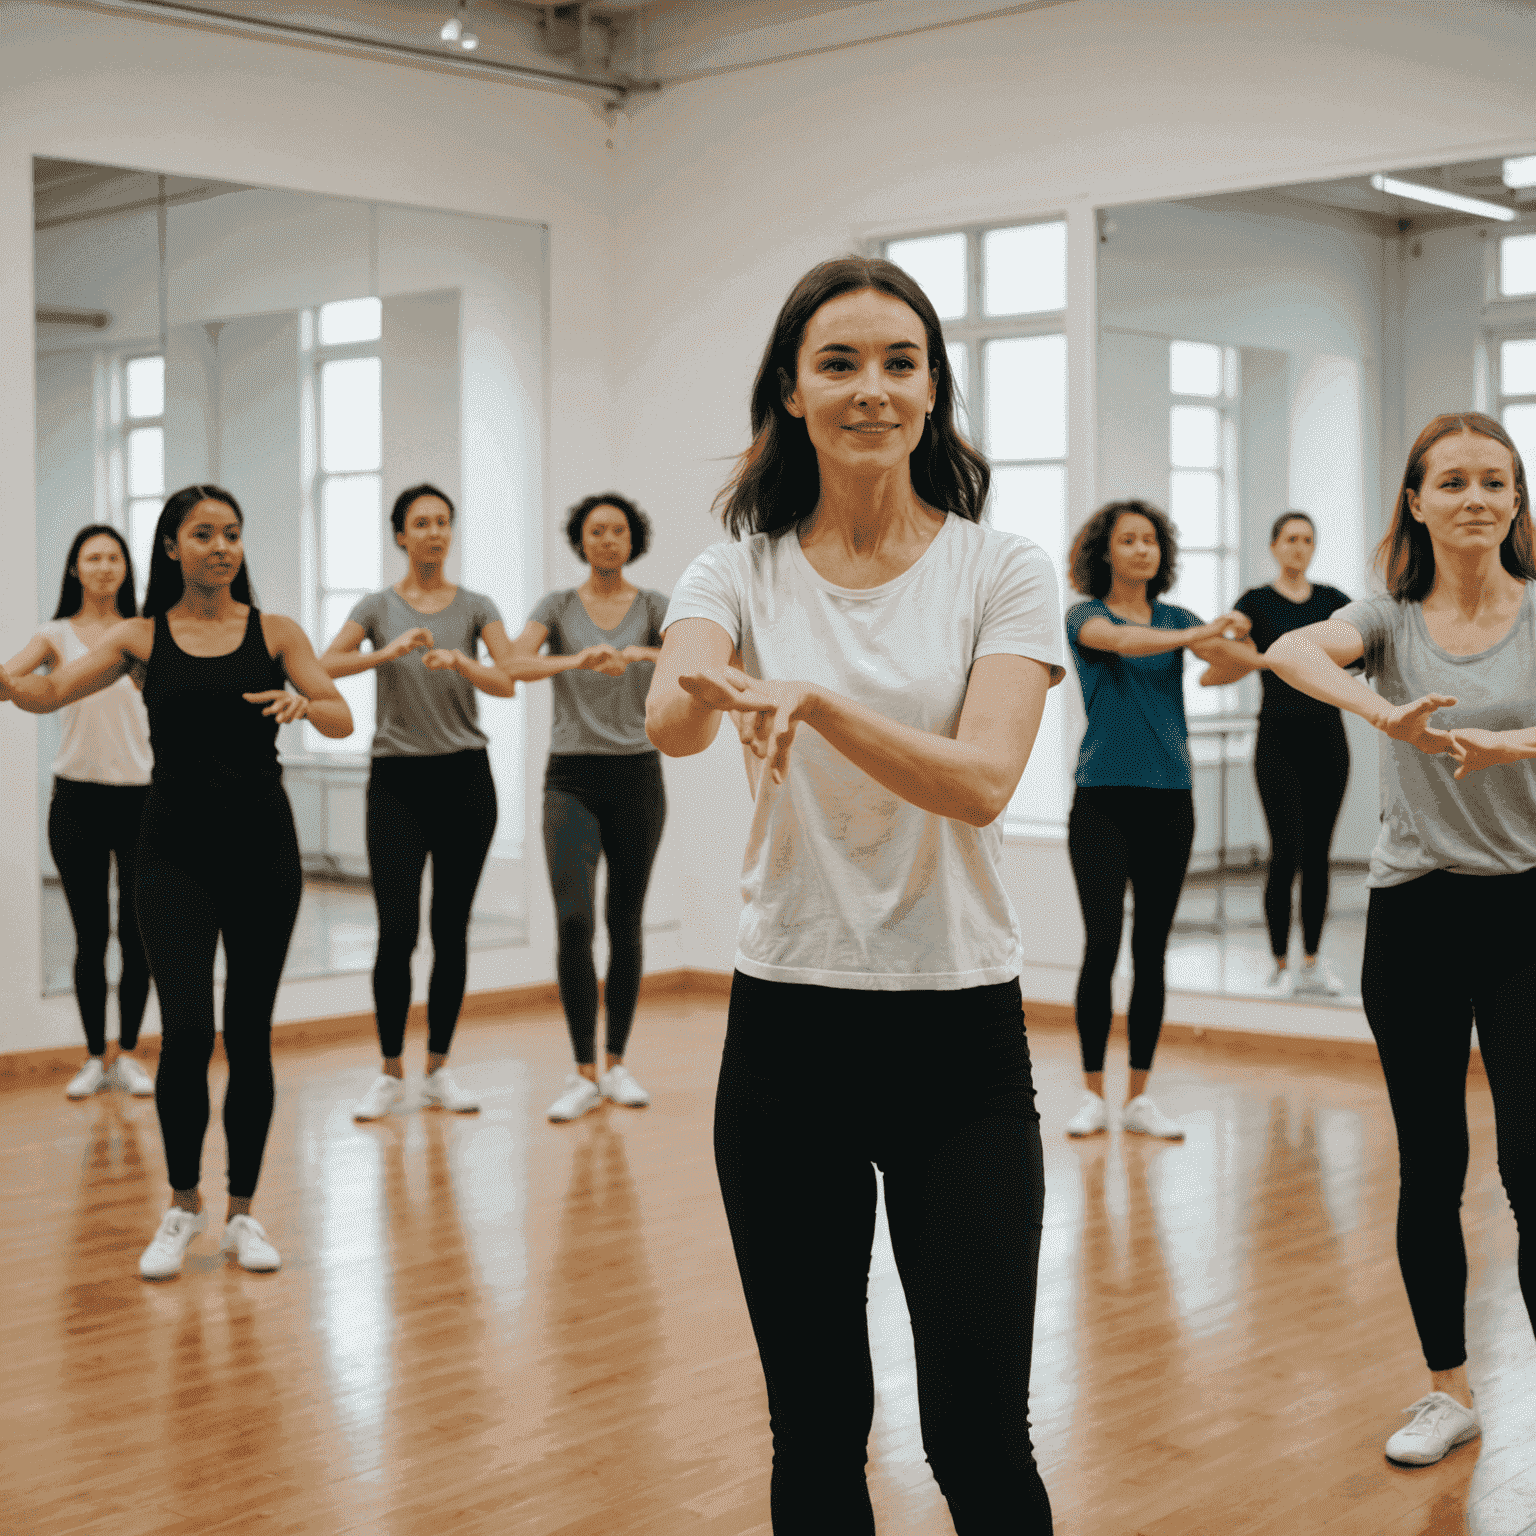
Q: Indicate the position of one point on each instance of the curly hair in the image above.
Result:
(639, 523)
(1088, 566)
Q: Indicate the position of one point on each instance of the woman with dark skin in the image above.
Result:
(430, 790)
(100, 784)
(1453, 875)
(218, 857)
(603, 791)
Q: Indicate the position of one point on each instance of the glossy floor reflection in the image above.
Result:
(491, 1324)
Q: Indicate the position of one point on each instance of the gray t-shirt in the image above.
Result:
(594, 713)
(422, 713)
(1486, 824)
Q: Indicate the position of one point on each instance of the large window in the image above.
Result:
(1202, 495)
(1001, 293)
(140, 466)
(347, 490)
(1516, 364)
(1517, 266)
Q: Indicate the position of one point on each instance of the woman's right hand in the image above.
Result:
(1410, 723)
(601, 658)
(417, 639)
(1230, 626)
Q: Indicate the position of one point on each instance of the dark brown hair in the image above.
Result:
(1088, 566)
(1405, 557)
(1291, 517)
(639, 523)
(776, 483)
(72, 594)
(165, 586)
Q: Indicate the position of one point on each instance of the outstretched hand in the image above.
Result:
(765, 713)
(443, 660)
(602, 658)
(1410, 723)
(282, 705)
(412, 640)
(1231, 626)
(1475, 748)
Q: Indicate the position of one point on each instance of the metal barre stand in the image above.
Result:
(1221, 726)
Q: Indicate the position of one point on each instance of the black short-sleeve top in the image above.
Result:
(1273, 614)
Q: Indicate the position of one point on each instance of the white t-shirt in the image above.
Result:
(104, 738)
(845, 883)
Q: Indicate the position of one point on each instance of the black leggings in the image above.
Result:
(1114, 835)
(1301, 763)
(444, 806)
(88, 826)
(230, 869)
(1439, 950)
(945, 1106)
(612, 806)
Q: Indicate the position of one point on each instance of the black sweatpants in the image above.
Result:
(230, 870)
(1301, 763)
(611, 806)
(444, 806)
(1113, 835)
(1442, 950)
(89, 825)
(945, 1106)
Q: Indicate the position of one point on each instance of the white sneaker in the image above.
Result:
(162, 1259)
(87, 1080)
(1318, 978)
(1439, 1424)
(129, 1075)
(1092, 1116)
(1281, 982)
(439, 1088)
(384, 1092)
(581, 1094)
(1146, 1119)
(245, 1238)
(618, 1085)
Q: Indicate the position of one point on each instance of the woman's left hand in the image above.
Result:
(443, 661)
(1474, 749)
(765, 713)
(283, 706)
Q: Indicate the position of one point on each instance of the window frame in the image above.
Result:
(121, 500)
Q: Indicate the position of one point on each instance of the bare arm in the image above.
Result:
(1229, 660)
(37, 652)
(344, 656)
(1101, 634)
(122, 645)
(493, 679)
(527, 666)
(317, 699)
(676, 722)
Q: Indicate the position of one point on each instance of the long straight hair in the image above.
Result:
(165, 581)
(776, 483)
(1405, 557)
(72, 594)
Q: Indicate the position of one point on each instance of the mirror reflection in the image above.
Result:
(316, 356)
(1265, 360)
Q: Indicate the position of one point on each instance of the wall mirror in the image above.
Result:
(315, 355)
(1281, 349)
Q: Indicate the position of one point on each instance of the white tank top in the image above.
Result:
(105, 738)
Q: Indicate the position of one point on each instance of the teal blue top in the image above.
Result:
(1135, 704)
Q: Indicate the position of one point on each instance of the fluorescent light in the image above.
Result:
(1520, 172)
(1442, 199)
(450, 30)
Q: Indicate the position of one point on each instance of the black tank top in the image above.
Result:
(204, 735)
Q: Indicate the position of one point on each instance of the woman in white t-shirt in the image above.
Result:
(100, 783)
(875, 1013)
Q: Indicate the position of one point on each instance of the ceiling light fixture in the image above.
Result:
(468, 40)
(1442, 199)
(453, 29)
(1520, 171)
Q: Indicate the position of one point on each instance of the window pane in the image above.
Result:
(146, 386)
(960, 378)
(351, 535)
(146, 461)
(1197, 585)
(142, 517)
(937, 262)
(1517, 264)
(351, 434)
(1027, 397)
(1517, 368)
(1196, 506)
(1032, 500)
(351, 320)
(1194, 436)
(1194, 368)
(1520, 423)
(1025, 269)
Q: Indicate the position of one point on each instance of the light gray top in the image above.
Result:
(422, 713)
(1486, 824)
(594, 713)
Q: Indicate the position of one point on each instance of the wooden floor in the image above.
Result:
(491, 1324)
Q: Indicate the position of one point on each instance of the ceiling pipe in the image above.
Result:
(87, 319)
